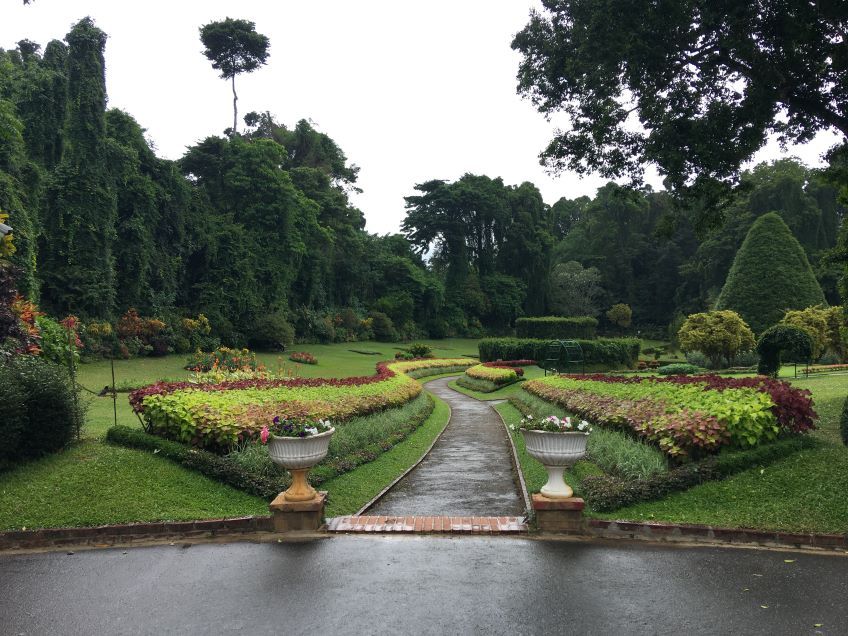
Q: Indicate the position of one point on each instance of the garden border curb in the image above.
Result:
(516, 464)
(103, 536)
(657, 531)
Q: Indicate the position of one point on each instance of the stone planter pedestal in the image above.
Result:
(298, 516)
(558, 516)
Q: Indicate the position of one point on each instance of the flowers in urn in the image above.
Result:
(284, 427)
(553, 424)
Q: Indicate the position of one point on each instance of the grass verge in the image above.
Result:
(94, 484)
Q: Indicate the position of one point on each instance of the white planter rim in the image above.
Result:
(533, 430)
(318, 436)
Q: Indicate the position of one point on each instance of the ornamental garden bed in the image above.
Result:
(655, 436)
(221, 415)
(492, 376)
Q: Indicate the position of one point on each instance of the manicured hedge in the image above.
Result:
(557, 327)
(769, 253)
(613, 353)
(606, 493)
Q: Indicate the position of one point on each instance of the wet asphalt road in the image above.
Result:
(424, 585)
(469, 471)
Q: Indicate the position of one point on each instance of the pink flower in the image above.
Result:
(264, 434)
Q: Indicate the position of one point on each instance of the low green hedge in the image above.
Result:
(606, 493)
(557, 327)
(481, 386)
(610, 353)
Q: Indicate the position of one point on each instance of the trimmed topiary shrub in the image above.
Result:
(39, 410)
(610, 353)
(557, 327)
(777, 339)
(843, 423)
(769, 275)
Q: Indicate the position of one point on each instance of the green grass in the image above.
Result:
(94, 483)
(349, 492)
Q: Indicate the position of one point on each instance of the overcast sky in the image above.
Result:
(411, 91)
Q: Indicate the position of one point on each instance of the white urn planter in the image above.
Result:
(556, 451)
(298, 455)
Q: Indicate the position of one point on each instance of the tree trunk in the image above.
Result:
(235, 105)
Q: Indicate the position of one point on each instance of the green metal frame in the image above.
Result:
(554, 358)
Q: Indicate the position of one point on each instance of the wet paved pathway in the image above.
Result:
(469, 471)
(424, 585)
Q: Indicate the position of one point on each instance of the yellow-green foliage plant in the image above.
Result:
(220, 415)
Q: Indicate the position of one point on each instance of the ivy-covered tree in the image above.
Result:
(770, 275)
(79, 264)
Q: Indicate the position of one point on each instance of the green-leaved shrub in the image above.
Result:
(769, 275)
(679, 368)
(780, 339)
(609, 353)
(843, 423)
(39, 411)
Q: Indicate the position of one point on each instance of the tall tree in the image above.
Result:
(234, 47)
(79, 267)
(708, 80)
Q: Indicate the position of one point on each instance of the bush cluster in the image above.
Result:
(780, 339)
(40, 411)
(843, 423)
(679, 368)
(610, 353)
(557, 327)
(608, 493)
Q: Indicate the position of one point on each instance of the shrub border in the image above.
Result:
(227, 472)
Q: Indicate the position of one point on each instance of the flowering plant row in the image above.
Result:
(219, 415)
(684, 415)
(825, 368)
(303, 357)
(510, 363)
(552, 424)
(283, 427)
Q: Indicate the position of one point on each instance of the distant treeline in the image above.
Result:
(257, 229)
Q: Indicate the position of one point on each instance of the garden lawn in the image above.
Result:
(804, 492)
(94, 483)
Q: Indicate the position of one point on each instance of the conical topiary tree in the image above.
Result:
(769, 275)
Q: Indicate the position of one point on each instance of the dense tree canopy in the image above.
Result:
(694, 87)
(258, 232)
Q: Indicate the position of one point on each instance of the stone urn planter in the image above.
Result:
(556, 451)
(298, 455)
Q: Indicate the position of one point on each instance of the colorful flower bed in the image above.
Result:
(303, 357)
(498, 373)
(684, 415)
(219, 415)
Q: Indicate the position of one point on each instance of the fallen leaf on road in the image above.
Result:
(789, 560)
(764, 606)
